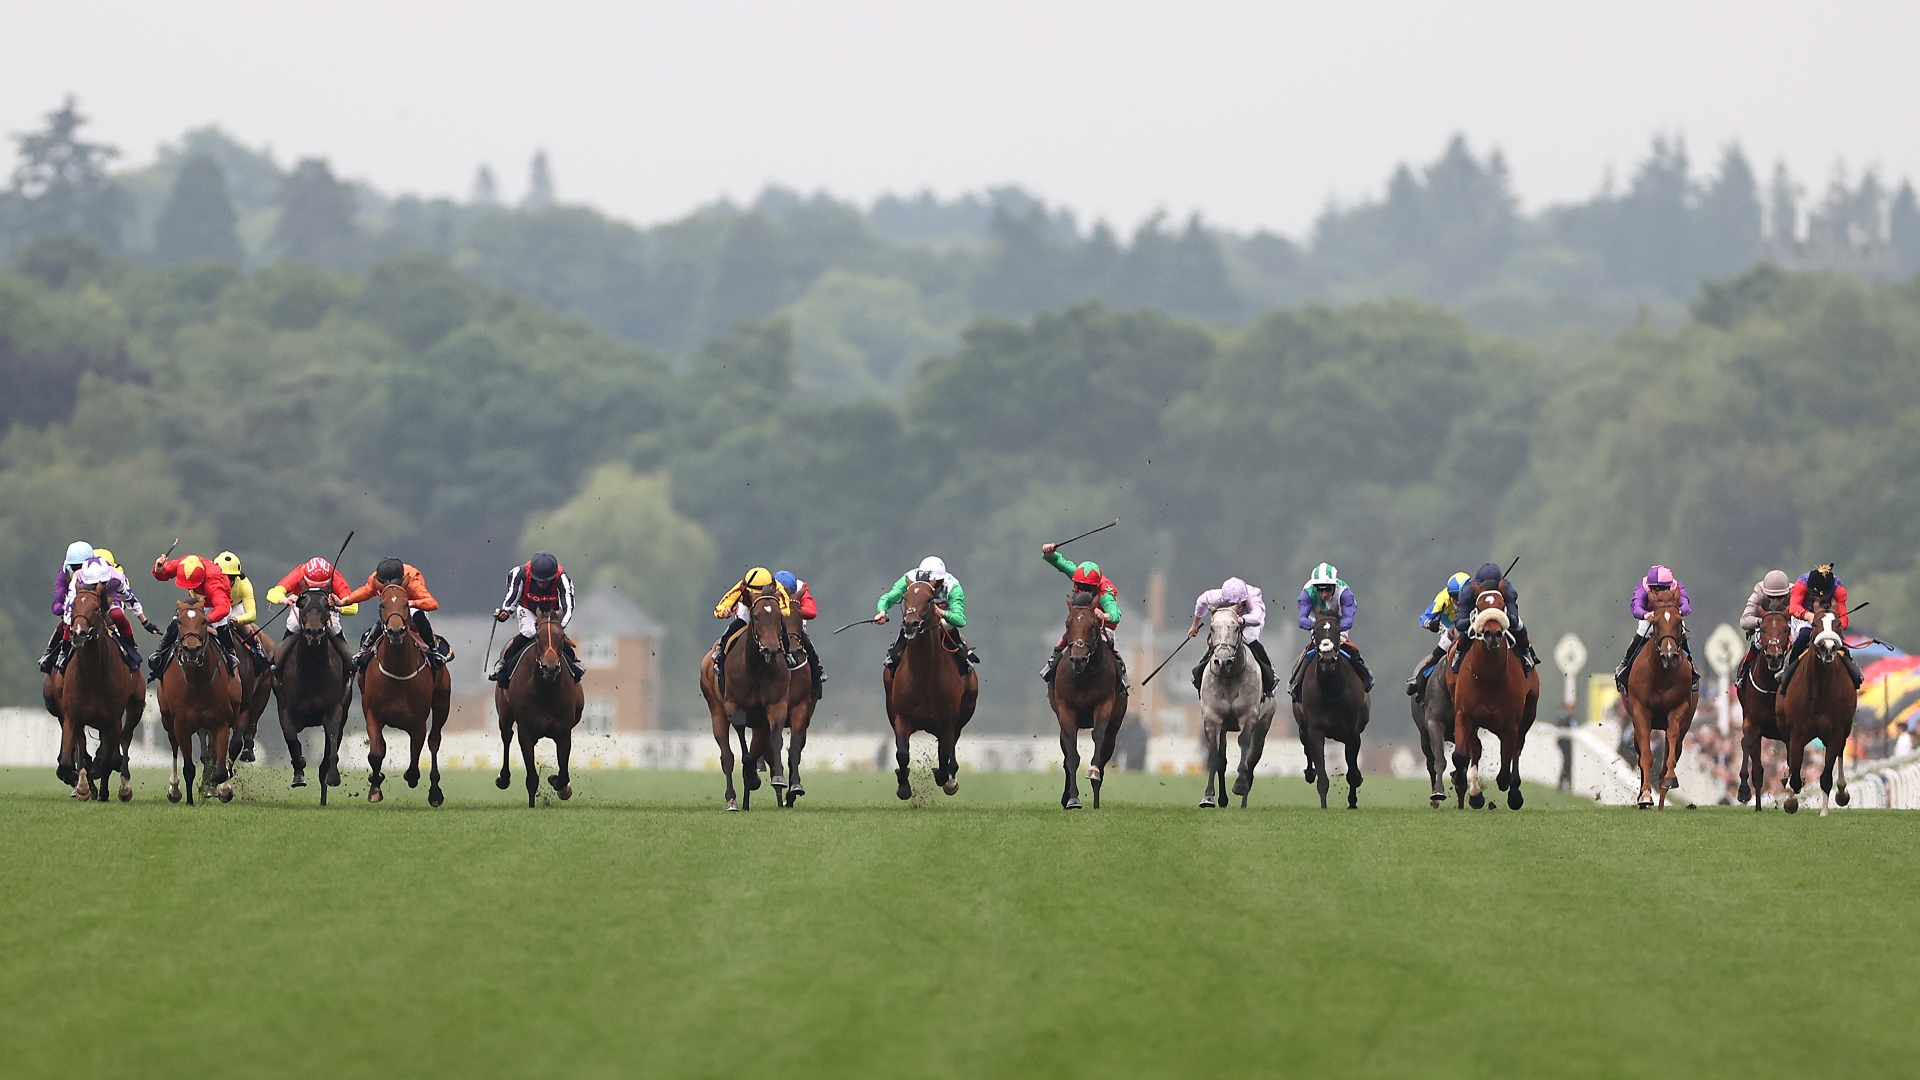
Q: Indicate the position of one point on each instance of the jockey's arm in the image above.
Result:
(245, 607)
(1109, 607)
(955, 609)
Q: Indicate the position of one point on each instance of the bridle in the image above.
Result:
(396, 635)
(198, 647)
(1081, 650)
(1660, 617)
(1226, 665)
(82, 628)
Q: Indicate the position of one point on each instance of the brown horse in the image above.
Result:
(96, 691)
(1085, 695)
(1660, 697)
(402, 688)
(1333, 705)
(544, 699)
(1492, 690)
(256, 690)
(800, 706)
(760, 684)
(198, 694)
(1759, 691)
(926, 690)
(312, 690)
(1818, 703)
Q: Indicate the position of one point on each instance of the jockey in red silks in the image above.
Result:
(1087, 578)
(1819, 586)
(802, 594)
(315, 573)
(196, 574)
(1659, 584)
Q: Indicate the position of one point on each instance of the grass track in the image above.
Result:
(639, 931)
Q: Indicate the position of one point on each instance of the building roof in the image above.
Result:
(602, 612)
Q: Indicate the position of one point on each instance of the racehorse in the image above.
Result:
(545, 701)
(1433, 719)
(312, 691)
(1086, 694)
(97, 691)
(1818, 703)
(800, 706)
(927, 691)
(1660, 697)
(256, 691)
(401, 688)
(1230, 700)
(1333, 704)
(759, 684)
(1492, 690)
(1759, 692)
(198, 694)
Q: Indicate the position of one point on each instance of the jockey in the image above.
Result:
(315, 573)
(1252, 607)
(245, 608)
(947, 593)
(1325, 594)
(1657, 585)
(802, 594)
(1438, 619)
(754, 584)
(1087, 578)
(1769, 594)
(1819, 586)
(96, 571)
(196, 574)
(78, 553)
(538, 585)
(391, 571)
(1490, 578)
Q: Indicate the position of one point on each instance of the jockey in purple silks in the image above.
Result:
(1252, 606)
(1658, 584)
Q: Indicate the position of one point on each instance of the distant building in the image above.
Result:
(618, 645)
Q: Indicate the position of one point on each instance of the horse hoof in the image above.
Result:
(1476, 801)
(779, 781)
(299, 779)
(1093, 773)
(435, 797)
(224, 793)
(904, 792)
(173, 793)
(1436, 800)
(753, 780)
(1500, 781)
(503, 781)
(1841, 798)
(1310, 775)
(1514, 801)
(733, 804)
(413, 781)
(374, 795)
(1792, 805)
(566, 793)
(1242, 785)
(1071, 804)
(126, 792)
(1645, 804)
(1206, 803)
(794, 791)
(247, 754)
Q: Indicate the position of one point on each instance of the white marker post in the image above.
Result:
(1724, 649)
(1570, 656)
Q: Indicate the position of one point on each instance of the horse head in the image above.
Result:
(1664, 623)
(314, 615)
(1223, 642)
(1826, 640)
(1325, 639)
(393, 613)
(1776, 638)
(548, 638)
(1083, 631)
(1490, 619)
(917, 609)
(767, 626)
(85, 616)
(192, 647)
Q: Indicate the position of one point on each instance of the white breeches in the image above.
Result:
(1643, 629)
(1445, 640)
(293, 622)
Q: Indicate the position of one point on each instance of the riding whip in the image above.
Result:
(170, 547)
(1088, 533)
(1511, 565)
(875, 621)
(487, 657)
(1168, 660)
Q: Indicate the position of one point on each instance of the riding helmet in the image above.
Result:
(1324, 574)
(1087, 575)
(78, 552)
(229, 564)
(1458, 582)
(1658, 575)
(544, 567)
(1821, 579)
(106, 556)
(317, 571)
(758, 578)
(787, 581)
(390, 570)
(1775, 583)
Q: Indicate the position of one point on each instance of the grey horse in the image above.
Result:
(1433, 719)
(1230, 701)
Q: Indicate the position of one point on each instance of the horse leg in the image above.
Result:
(186, 760)
(65, 766)
(1840, 796)
(1831, 772)
(947, 743)
(1796, 756)
(1211, 735)
(1354, 778)
(562, 780)
(1106, 729)
(376, 754)
(902, 733)
(1070, 761)
(1750, 778)
(222, 773)
(330, 751)
(776, 763)
(1476, 793)
(1510, 761)
(527, 740)
(505, 779)
(442, 704)
(1643, 745)
(725, 740)
(797, 741)
(294, 752)
(173, 781)
(1317, 760)
(749, 770)
(416, 738)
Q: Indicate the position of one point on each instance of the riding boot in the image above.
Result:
(1746, 665)
(893, 651)
(966, 657)
(1460, 649)
(1299, 675)
(1268, 679)
(53, 646)
(1626, 664)
(574, 666)
(813, 662)
(1053, 664)
(1199, 669)
(161, 655)
(1523, 645)
(339, 642)
(1419, 678)
(1120, 669)
(508, 659)
(1360, 665)
(131, 652)
(1853, 669)
(228, 650)
(361, 658)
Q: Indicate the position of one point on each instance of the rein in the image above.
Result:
(405, 632)
(180, 659)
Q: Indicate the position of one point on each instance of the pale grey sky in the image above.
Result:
(1253, 113)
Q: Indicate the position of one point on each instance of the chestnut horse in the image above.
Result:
(760, 683)
(800, 706)
(1085, 695)
(198, 694)
(1660, 697)
(96, 691)
(1333, 705)
(1492, 690)
(545, 701)
(312, 691)
(927, 691)
(1759, 691)
(1818, 704)
(402, 688)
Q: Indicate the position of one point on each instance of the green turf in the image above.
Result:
(639, 931)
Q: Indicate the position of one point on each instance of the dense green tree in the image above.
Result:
(1727, 219)
(198, 222)
(316, 217)
(60, 183)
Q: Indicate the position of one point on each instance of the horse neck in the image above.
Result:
(405, 651)
(99, 653)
